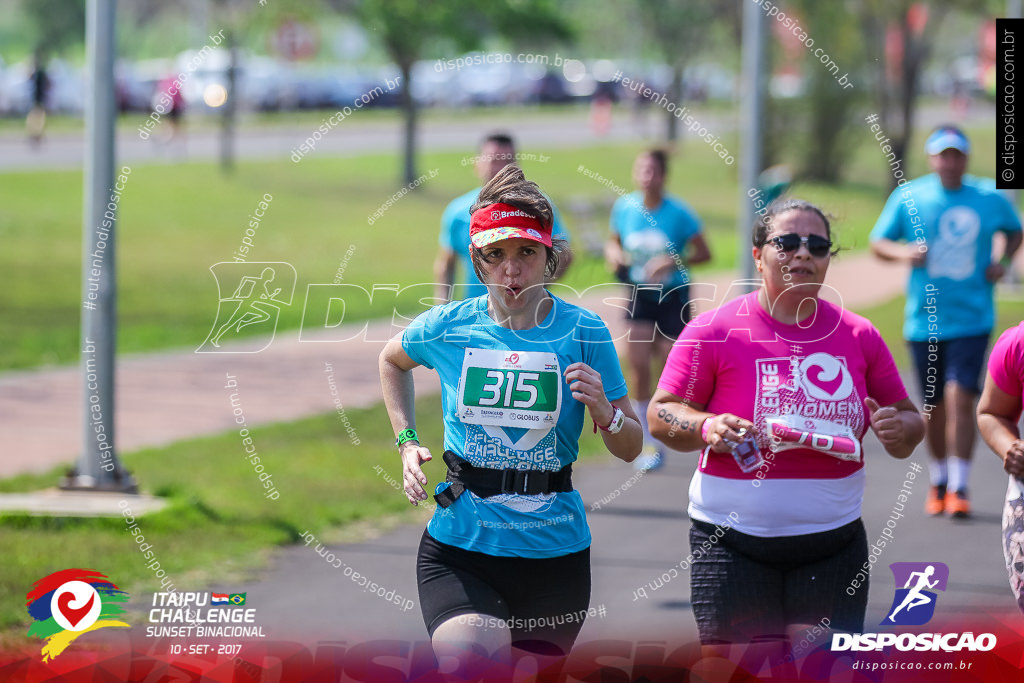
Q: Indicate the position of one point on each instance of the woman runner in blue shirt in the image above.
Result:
(505, 560)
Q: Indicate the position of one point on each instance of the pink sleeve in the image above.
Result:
(688, 372)
(883, 377)
(1004, 365)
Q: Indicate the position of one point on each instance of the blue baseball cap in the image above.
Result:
(947, 137)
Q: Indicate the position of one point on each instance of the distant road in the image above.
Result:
(348, 138)
(353, 137)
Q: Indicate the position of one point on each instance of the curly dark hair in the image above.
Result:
(763, 222)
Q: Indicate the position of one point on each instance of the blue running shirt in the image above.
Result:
(646, 233)
(492, 379)
(948, 297)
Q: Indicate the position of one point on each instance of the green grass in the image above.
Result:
(178, 220)
(219, 526)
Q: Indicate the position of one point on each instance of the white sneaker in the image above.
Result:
(649, 459)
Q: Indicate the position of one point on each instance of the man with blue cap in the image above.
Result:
(942, 225)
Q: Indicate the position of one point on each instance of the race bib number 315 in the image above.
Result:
(509, 388)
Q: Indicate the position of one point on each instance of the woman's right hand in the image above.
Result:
(723, 431)
(659, 268)
(413, 479)
(1013, 461)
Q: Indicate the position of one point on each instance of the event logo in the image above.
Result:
(69, 603)
(914, 603)
(258, 292)
(825, 378)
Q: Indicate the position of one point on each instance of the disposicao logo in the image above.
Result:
(914, 603)
(69, 603)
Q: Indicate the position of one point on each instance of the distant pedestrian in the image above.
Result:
(942, 224)
(39, 82)
(655, 239)
(170, 103)
(600, 118)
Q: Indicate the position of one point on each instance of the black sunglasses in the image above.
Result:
(816, 244)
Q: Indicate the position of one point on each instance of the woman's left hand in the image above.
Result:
(1013, 460)
(587, 388)
(886, 424)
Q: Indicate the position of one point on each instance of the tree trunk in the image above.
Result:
(675, 95)
(910, 71)
(409, 116)
(916, 54)
(873, 31)
(227, 133)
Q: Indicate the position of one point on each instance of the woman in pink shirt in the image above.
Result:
(998, 414)
(776, 389)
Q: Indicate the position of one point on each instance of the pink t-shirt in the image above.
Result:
(805, 384)
(1006, 364)
(1006, 367)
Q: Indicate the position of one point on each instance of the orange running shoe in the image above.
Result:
(935, 504)
(958, 505)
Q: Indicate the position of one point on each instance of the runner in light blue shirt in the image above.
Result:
(942, 225)
(505, 560)
(655, 240)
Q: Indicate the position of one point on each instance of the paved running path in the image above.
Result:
(169, 396)
(642, 533)
(638, 536)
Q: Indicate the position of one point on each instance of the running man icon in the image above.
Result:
(915, 597)
(255, 302)
(919, 581)
(250, 311)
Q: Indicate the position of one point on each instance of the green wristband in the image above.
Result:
(406, 435)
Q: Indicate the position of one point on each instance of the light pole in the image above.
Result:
(751, 117)
(98, 467)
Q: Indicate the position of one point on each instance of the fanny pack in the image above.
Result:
(486, 482)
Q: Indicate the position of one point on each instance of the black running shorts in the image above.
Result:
(543, 602)
(749, 588)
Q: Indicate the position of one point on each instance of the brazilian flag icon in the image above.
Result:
(237, 598)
